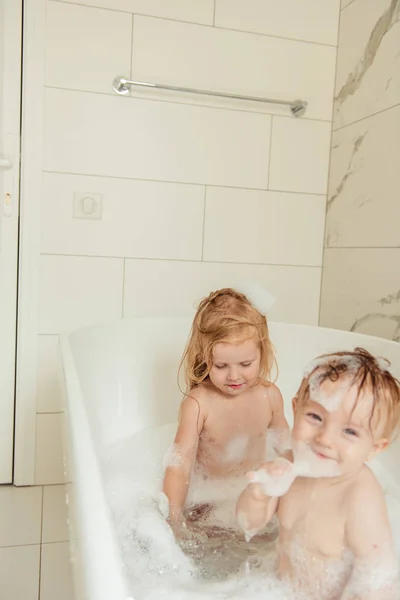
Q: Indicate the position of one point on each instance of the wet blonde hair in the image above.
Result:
(369, 374)
(224, 316)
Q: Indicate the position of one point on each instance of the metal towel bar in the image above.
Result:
(122, 86)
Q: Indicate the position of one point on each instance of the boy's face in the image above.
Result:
(235, 367)
(338, 441)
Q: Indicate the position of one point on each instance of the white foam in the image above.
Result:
(279, 484)
(155, 566)
(257, 295)
(383, 363)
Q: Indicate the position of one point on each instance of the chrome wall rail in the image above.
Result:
(122, 86)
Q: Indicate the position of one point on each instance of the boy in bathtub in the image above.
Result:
(335, 541)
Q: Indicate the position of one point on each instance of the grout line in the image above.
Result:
(367, 117)
(228, 187)
(58, 542)
(328, 174)
(183, 260)
(140, 14)
(40, 549)
(52, 412)
(144, 96)
(270, 151)
(22, 545)
(204, 222)
(362, 247)
(215, 3)
(132, 41)
(123, 288)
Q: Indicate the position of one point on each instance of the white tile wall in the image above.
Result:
(364, 206)
(229, 61)
(49, 385)
(360, 286)
(182, 10)
(49, 466)
(368, 70)
(55, 576)
(85, 47)
(361, 290)
(310, 20)
(19, 573)
(247, 226)
(299, 155)
(140, 218)
(79, 291)
(345, 3)
(181, 285)
(20, 516)
(154, 140)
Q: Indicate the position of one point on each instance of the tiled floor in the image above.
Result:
(34, 561)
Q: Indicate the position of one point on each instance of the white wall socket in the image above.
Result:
(88, 206)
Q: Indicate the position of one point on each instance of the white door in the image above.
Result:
(10, 86)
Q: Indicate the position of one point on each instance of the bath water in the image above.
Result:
(214, 561)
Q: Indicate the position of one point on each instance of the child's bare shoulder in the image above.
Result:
(270, 392)
(367, 522)
(365, 493)
(199, 395)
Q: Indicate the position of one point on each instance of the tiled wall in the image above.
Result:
(361, 277)
(197, 193)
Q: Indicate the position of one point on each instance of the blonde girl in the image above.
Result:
(230, 402)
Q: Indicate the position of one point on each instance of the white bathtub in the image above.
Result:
(122, 379)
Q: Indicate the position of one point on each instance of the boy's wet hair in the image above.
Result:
(224, 316)
(369, 374)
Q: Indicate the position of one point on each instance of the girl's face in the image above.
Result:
(236, 367)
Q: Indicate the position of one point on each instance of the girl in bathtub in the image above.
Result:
(230, 407)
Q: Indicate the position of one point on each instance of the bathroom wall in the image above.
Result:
(196, 193)
(361, 274)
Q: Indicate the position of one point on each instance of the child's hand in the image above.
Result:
(274, 478)
(179, 527)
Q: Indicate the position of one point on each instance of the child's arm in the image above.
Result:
(258, 503)
(278, 421)
(254, 510)
(279, 429)
(177, 476)
(375, 573)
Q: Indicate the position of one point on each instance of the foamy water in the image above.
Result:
(215, 561)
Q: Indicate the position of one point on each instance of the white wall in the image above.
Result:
(197, 193)
(361, 281)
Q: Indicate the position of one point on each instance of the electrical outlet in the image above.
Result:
(88, 206)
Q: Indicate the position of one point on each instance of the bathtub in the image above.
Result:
(121, 379)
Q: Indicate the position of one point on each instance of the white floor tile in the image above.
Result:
(19, 573)
(55, 514)
(56, 578)
(20, 515)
